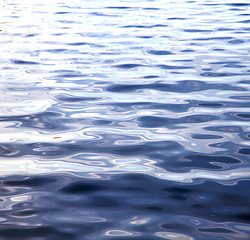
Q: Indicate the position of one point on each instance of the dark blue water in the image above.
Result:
(124, 120)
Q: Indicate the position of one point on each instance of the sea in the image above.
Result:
(124, 120)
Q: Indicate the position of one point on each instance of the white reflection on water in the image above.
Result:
(120, 233)
(48, 55)
(173, 236)
(26, 166)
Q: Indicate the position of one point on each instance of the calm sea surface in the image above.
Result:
(124, 120)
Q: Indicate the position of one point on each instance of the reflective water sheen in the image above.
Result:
(124, 119)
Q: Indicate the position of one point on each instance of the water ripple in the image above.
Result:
(139, 106)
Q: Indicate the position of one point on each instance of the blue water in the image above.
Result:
(124, 120)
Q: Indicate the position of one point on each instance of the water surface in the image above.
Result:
(124, 120)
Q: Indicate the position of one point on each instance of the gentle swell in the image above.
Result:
(124, 120)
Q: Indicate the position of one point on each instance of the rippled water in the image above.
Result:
(124, 120)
